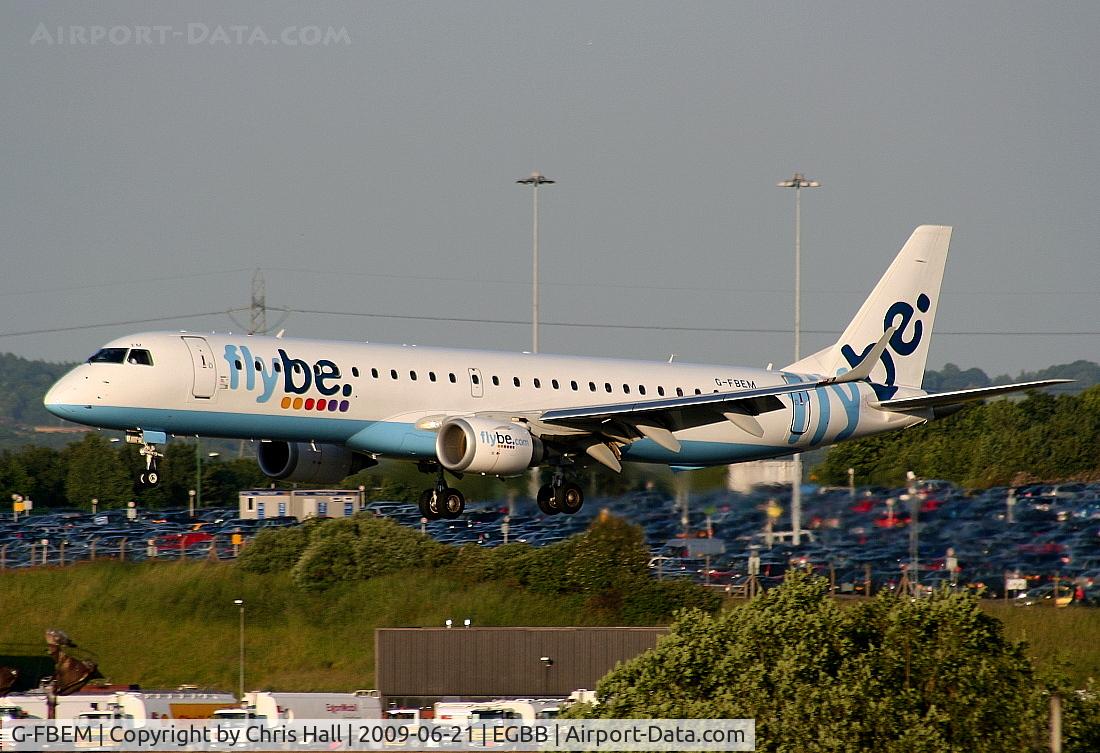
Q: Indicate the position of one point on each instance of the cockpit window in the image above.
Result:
(140, 357)
(108, 355)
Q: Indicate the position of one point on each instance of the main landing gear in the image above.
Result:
(441, 501)
(560, 496)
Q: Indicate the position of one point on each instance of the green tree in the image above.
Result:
(95, 470)
(1041, 437)
(932, 676)
(610, 556)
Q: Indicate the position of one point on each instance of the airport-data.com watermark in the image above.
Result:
(193, 34)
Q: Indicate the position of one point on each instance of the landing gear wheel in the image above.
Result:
(430, 504)
(546, 501)
(149, 452)
(570, 498)
(453, 503)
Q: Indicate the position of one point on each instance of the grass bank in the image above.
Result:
(167, 624)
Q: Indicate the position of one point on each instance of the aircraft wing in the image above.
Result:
(677, 412)
(956, 397)
(608, 426)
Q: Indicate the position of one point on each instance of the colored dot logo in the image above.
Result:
(319, 405)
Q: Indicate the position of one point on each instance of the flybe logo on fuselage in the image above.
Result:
(293, 375)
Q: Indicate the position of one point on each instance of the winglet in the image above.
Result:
(863, 370)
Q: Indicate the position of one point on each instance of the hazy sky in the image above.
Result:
(147, 174)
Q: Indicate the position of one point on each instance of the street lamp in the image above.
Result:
(240, 603)
(535, 180)
(197, 497)
(797, 182)
(914, 531)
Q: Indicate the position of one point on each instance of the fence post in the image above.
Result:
(3, 557)
(1055, 723)
(61, 556)
(122, 550)
(92, 548)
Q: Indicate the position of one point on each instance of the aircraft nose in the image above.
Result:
(61, 398)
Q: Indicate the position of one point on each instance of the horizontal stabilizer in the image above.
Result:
(863, 370)
(921, 402)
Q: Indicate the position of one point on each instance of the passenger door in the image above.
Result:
(206, 372)
(477, 386)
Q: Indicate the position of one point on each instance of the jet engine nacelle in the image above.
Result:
(298, 461)
(483, 445)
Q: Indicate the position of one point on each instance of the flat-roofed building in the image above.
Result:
(257, 504)
(418, 666)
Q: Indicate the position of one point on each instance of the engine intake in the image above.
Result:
(299, 462)
(482, 445)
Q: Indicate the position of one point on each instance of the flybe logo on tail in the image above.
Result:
(293, 375)
(905, 341)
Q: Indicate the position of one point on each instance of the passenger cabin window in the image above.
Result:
(515, 381)
(475, 379)
(108, 355)
(355, 371)
(278, 367)
(412, 375)
(538, 384)
(607, 386)
(641, 389)
(573, 385)
(679, 392)
(554, 383)
(431, 376)
(592, 386)
(374, 373)
(259, 366)
(393, 373)
(699, 391)
(452, 378)
(661, 391)
(626, 389)
(141, 357)
(496, 381)
(240, 366)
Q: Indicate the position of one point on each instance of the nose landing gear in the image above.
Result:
(149, 452)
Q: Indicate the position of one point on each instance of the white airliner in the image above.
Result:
(322, 410)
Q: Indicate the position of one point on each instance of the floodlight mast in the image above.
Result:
(797, 182)
(535, 180)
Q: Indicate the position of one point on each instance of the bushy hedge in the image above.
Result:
(606, 564)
